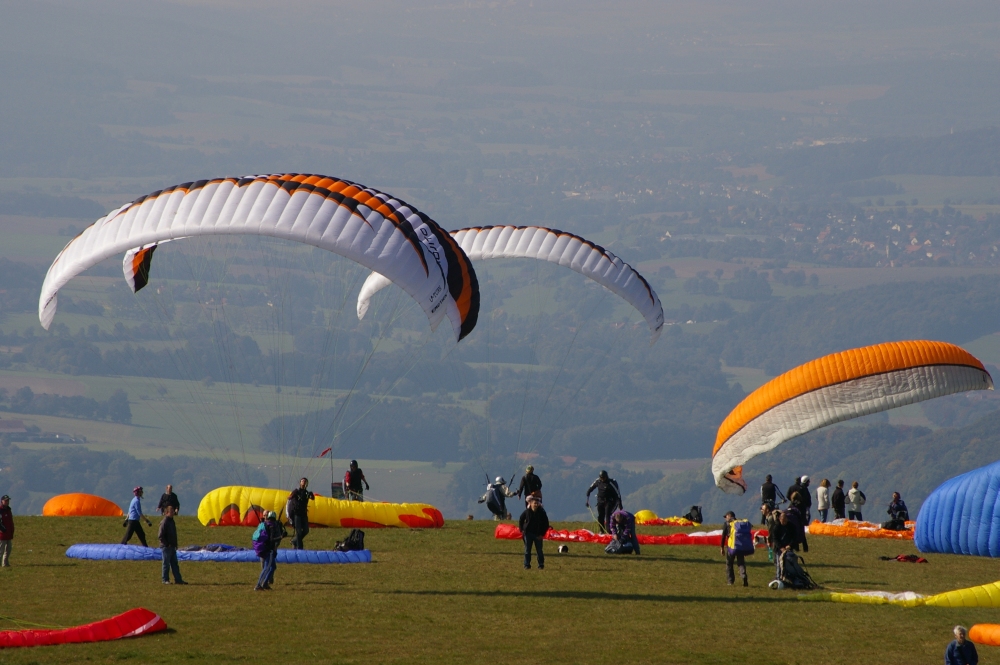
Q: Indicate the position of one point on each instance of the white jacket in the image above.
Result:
(822, 498)
(855, 499)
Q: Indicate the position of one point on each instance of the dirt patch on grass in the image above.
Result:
(65, 387)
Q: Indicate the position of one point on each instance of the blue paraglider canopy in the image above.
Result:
(962, 516)
(103, 551)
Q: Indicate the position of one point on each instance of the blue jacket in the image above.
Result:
(964, 654)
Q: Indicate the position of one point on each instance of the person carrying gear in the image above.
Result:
(609, 499)
(496, 498)
(266, 539)
(621, 525)
(297, 510)
(353, 480)
(134, 516)
(531, 485)
(6, 530)
(534, 524)
(737, 542)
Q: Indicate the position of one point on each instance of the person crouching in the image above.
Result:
(534, 524)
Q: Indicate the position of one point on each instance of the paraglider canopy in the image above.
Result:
(835, 388)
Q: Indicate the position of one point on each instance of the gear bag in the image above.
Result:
(355, 541)
(740, 539)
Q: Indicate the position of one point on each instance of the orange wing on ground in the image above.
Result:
(78, 504)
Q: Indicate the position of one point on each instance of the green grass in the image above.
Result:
(458, 595)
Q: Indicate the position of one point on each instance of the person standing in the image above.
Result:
(353, 479)
(168, 545)
(135, 514)
(732, 557)
(961, 650)
(534, 524)
(823, 499)
(266, 540)
(856, 498)
(168, 498)
(805, 500)
(6, 531)
(298, 512)
(531, 485)
(769, 493)
(609, 499)
(837, 500)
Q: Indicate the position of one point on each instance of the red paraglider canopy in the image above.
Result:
(511, 532)
(133, 623)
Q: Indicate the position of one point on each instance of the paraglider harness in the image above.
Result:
(496, 498)
(694, 515)
(354, 542)
(792, 574)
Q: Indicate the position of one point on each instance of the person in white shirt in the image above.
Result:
(855, 499)
(823, 499)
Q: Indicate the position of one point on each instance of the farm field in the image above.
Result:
(457, 595)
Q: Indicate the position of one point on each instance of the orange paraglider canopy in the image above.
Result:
(79, 504)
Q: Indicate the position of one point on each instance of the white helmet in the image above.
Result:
(499, 480)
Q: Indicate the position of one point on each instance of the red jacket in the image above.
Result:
(7, 522)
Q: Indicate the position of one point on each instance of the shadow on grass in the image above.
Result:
(600, 595)
(751, 563)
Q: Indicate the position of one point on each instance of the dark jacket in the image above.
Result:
(805, 501)
(300, 501)
(168, 500)
(354, 479)
(783, 535)
(837, 499)
(168, 533)
(768, 492)
(529, 483)
(961, 655)
(607, 491)
(897, 510)
(535, 522)
(6, 524)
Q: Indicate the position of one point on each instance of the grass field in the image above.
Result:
(457, 595)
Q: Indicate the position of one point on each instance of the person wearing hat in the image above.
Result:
(534, 524)
(135, 514)
(609, 499)
(353, 480)
(804, 503)
(273, 532)
(530, 484)
(6, 531)
(495, 498)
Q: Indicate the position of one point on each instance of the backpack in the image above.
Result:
(694, 515)
(261, 540)
(791, 572)
(740, 539)
(619, 547)
(355, 541)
